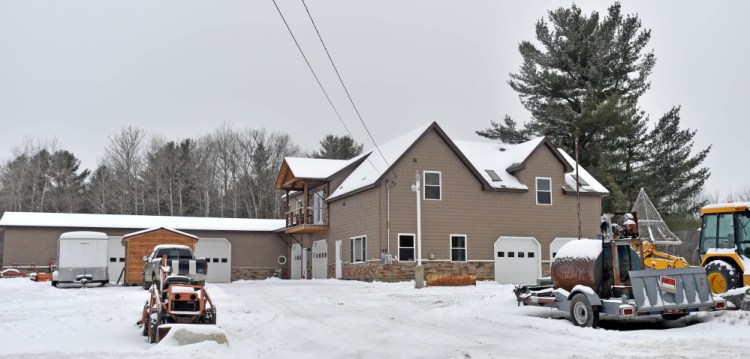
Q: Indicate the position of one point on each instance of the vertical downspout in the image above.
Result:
(388, 215)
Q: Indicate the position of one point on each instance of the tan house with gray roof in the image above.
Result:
(494, 210)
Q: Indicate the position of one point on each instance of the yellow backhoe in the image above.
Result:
(725, 245)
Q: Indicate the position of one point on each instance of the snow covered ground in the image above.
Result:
(347, 319)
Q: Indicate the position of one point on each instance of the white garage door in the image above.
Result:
(320, 259)
(517, 260)
(218, 254)
(115, 259)
(296, 265)
(556, 244)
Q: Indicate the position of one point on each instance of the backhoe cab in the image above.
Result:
(725, 245)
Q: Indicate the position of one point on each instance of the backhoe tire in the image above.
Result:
(582, 313)
(722, 276)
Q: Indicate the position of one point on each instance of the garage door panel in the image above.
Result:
(218, 254)
(517, 260)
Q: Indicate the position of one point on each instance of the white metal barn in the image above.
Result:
(218, 254)
(517, 260)
(115, 258)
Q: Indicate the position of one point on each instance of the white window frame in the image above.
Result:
(413, 247)
(364, 248)
(424, 185)
(536, 193)
(465, 247)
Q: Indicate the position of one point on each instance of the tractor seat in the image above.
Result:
(175, 279)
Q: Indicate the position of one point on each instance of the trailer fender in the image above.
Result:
(588, 292)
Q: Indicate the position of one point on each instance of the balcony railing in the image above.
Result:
(308, 220)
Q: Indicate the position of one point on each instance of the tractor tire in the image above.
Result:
(722, 276)
(582, 313)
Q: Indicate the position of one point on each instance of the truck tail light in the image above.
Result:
(627, 312)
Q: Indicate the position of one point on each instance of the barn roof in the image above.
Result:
(77, 220)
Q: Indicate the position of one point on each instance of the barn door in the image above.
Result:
(338, 259)
(296, 265)
(320, 259)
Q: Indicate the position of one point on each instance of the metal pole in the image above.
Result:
(419, 270)
(419, 221)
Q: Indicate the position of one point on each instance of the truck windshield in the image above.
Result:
(174, 253)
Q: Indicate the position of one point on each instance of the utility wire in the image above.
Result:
(321, 85)
(342, 83)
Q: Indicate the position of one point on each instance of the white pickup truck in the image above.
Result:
(180, 258)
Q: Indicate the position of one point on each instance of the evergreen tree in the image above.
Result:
(674, 177)
(67, 184)
(584, 82)
(335, 147)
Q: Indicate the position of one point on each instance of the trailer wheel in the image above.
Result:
(582, 313)
(54, 283)
(721, 278)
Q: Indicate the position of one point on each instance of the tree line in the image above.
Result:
(227, 173)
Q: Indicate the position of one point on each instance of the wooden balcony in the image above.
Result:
(303, 221)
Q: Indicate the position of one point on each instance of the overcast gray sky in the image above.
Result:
(79, 71)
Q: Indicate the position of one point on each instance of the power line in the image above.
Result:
(311, 69)
(356, 110)
(321, 85)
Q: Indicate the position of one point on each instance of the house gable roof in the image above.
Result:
(493, 164)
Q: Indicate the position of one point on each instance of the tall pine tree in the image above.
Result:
(338, 148)
(582, 79)
(674, 176)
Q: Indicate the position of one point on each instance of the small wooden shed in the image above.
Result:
(142, 243)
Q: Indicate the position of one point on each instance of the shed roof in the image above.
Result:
(77, 220)
(125, 237)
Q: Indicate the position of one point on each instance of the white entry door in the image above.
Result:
(338, 259)
(296, 265)
(320, 259)
(517, 260)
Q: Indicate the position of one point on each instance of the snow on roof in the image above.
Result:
(483, 156)
(728, 205)
(170, 246)
(588, 249)
(83, 235)
(78, 220)
(315, 168)
(498, 157)
(374, 166)
(588, 182)
(157, 228)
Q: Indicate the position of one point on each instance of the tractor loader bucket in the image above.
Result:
(186, 334)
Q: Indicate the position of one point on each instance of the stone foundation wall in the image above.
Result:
(395, 272)
(239, 273)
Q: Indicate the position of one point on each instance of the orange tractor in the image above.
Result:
(175, 300)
